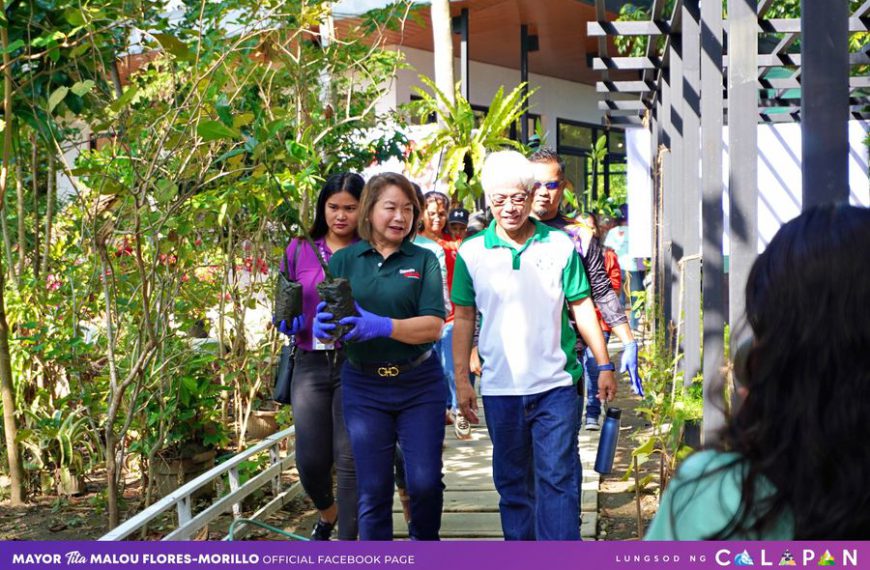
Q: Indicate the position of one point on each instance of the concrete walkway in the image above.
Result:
(470, 499)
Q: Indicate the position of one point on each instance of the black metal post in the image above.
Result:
(743, 156)
(825, 101)
(605, 163)
(464, 69)
(524, 78)
(712, 216)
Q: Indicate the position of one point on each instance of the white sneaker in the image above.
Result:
(461, 427)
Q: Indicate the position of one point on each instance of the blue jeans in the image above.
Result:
(444, 349)
(535, 463)
(407, 409)
(590, 373)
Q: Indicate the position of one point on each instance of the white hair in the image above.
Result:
(507, 169)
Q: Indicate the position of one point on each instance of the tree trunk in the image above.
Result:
(49, 211)
(442, 40)
(111, 477)
(22, 235)
(7, 248)
(35, 186)
(115, 393)
(16, 470)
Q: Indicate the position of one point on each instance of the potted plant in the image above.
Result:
(262, 421)
(184, 423)
(60, 447)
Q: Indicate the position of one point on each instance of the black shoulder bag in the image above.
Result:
(288, 304)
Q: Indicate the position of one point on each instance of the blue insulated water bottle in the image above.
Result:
(607, 442)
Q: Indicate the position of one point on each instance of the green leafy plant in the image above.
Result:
(666, 409)
(458, 140)
(604, 206)
(57, 441)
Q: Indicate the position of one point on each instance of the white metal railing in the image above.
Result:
(181, 498)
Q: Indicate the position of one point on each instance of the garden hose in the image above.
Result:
(290, 535)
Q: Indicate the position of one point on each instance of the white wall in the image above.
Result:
(779, 180)
(555, 98)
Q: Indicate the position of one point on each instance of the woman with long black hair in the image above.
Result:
(794, 461)
(321, 437)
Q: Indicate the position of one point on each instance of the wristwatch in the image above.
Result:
(609, 366)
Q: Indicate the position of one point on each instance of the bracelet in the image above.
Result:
(605, 367)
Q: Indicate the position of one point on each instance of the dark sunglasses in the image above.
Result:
(551, 185)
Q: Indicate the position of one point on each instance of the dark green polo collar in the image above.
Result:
(407, 248)
(491, 240)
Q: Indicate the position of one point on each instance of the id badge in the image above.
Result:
(317, 344)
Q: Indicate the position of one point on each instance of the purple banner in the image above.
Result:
(469, 555)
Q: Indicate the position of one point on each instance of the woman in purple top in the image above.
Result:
(321, 436)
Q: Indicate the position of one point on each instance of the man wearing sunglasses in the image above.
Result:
(550, 176)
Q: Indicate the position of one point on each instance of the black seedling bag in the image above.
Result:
(339, 301)
(288, 293)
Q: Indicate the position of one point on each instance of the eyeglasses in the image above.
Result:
(499, 200)
(551, 185)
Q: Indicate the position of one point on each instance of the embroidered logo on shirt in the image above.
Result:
(409, 273)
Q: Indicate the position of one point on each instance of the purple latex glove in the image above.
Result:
(629, 364)
(323, 327)
(296, 326)
(367, 326)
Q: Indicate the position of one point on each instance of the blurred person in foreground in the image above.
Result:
(793, 463)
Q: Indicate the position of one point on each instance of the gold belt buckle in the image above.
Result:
(388, 371)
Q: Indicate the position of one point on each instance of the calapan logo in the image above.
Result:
(787, 559)
(805, 557)
(409, 273)
(827, 559)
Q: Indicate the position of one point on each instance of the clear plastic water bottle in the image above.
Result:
(607, 442)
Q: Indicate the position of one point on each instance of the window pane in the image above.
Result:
(574, 135)
(575, 174)
(479, 115)
(617, 142)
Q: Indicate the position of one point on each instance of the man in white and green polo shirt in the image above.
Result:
(523, 277)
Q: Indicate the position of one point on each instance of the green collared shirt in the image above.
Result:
(407, 284)
(526, 338)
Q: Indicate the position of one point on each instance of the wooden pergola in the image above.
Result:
(690, 82)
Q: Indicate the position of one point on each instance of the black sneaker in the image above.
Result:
(322, 530)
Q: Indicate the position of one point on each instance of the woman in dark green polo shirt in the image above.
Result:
(393, 384)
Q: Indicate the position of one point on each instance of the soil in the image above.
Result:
(617, 504)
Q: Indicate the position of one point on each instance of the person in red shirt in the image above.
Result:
(434, 235)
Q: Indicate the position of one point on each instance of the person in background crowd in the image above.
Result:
(432, 236)
(590, 368)
(393, 382)
(793, 462)
(523, 276)
(550, 175)
(477, 222)
(457, 223)
(632, 268)
(316, 390)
